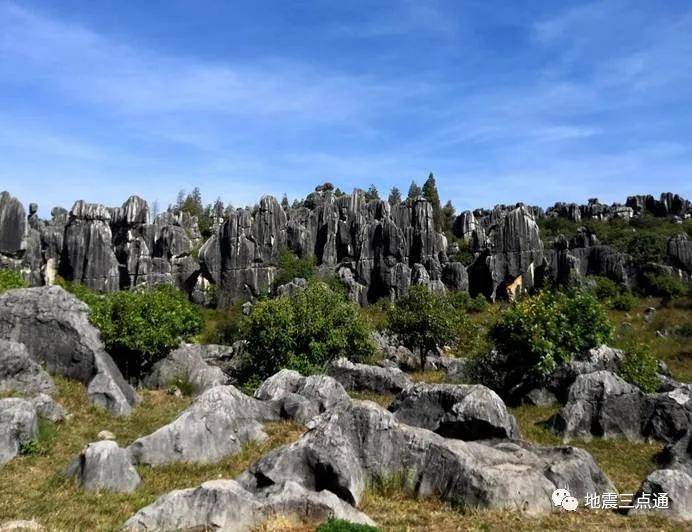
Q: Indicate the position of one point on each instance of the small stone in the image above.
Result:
(105, 435)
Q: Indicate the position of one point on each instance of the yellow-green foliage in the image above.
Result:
(10, 279)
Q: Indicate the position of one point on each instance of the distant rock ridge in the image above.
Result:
(376, 249)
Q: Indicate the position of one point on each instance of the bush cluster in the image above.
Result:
(140, 327)
(540, 332)
(639, 366)
(303, 332)
(10, 279)
(292, 266)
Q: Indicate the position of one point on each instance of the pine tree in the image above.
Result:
(413, 191)
(372, 193)
(430, 193)
(448, 214)
(394, 196)
(284, 202)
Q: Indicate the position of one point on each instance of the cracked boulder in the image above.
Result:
(224, 505)
(18, 426)
(19, 373)
(677, 485)
(376, 379)
(185, 364)
(217, 424)
(103, 466)
(465, 412)
(54, 326)
(302, 398)
(602, 404)
(350, 446)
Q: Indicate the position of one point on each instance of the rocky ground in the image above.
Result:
(370, 444)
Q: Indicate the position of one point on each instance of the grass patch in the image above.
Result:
(382, 399)
(33, 487)
(429, 375)
(626, 463)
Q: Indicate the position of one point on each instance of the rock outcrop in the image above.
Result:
(214, 426)
(377, 379)
(186, 365)
(103, 466)
(302, 398)
(376, 249)
(466, 412)
(602, 404)
(19, 373)
(225, 505)
(18, 426)
(347, 447)
(54, 326)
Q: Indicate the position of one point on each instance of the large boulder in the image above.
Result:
(377, 379)
(103, 466)
(217, 424)
(19, 373)
(54, 326)
(301, 397)
(350, 446)
(88, 256)
(225, 505)
(676, 489)
(18, 426)
(603, 404)
(185, 364)
(13, 225)
(466, 412)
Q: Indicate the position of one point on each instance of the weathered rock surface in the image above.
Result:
(103, 466)
(54, 326)
(48, 408)
(677, 485)
(350, 446)
(603, 404)
(465, 412)
(225, 505)
(186, 364)
(302, 398)
(18, 425)
(214, 426)
(355, 376)
(13, 225)
(19, 373)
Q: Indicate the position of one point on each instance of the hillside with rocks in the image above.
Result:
(434, 372)
(374, 247)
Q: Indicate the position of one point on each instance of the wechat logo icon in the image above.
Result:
(561, 497)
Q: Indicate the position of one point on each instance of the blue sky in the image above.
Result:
(504, 101)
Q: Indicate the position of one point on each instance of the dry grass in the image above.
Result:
(383, 400)
(429, 375)
(674, 349)
(33, 487)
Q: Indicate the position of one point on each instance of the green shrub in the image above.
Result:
(140, 327)
(340, 525)
(639, 366)
(424, 320)
(604, 288)
(477, 304)
(542, 331)
(664, 286)
(222, 326)
(303, 332)
(10, 279)
(291, 266)
(625, 301)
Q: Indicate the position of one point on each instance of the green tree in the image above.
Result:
(430, 193)
(303, 332)
(424, 320)
(394, 196)
(292, 266)
(140, 327)
(540, 332)
(448, 215)
(413, 191)
(372, 193)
